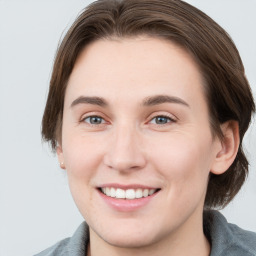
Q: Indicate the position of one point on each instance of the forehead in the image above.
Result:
(134, 67)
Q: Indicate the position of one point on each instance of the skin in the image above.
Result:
(130, 146)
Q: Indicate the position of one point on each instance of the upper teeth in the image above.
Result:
(127, 194)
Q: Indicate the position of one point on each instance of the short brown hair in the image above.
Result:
(226, 88)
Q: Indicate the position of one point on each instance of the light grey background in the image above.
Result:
(36, 208)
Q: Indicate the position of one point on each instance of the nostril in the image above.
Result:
(124, 158)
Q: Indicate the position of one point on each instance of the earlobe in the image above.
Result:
(229, 145)
(60, 157)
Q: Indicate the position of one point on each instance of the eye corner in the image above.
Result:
(93, 120)
(163, 119)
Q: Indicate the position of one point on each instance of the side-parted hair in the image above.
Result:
(226, 88)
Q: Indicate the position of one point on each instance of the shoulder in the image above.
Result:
(60, 248)
(75, 245)
(228, 239)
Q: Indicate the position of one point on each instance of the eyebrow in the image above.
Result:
(90, 100)
(160, 99)
(149, 101)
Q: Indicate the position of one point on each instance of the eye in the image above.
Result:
(94, 120)
(161, 120)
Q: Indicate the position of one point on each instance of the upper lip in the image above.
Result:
(126, 186)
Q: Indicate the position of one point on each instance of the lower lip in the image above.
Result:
(126, 205)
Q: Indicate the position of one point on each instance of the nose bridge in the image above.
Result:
(125, 150)
(125, 135)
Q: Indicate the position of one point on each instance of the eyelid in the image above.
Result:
(163, 114)
(171, 117)
(103, 120)
(93, 114)
(169, 122)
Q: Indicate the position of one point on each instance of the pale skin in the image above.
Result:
(137, 137)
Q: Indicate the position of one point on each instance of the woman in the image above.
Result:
(147, 109)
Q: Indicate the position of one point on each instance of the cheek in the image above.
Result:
(184, 164)
(183, 159)
(82, 159)
(81, 155)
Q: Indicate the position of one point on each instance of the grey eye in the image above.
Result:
(94, 120)
(161, 119)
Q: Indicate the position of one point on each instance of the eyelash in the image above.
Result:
(169, 120)
(90, 117)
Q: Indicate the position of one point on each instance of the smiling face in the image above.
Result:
(136, 124)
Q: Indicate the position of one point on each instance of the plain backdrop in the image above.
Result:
(36, 208)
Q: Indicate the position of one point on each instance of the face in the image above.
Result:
(136, 140)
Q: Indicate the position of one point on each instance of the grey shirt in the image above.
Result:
(226, 239)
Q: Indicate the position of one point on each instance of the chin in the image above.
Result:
(128, 241)
(126, 235)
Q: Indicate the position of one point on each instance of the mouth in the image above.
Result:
(129, 194)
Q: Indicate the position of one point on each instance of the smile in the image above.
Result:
(128, 193)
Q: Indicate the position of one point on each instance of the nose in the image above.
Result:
(125, 151)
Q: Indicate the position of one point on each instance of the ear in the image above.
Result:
(227, 147)
(60, 157)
